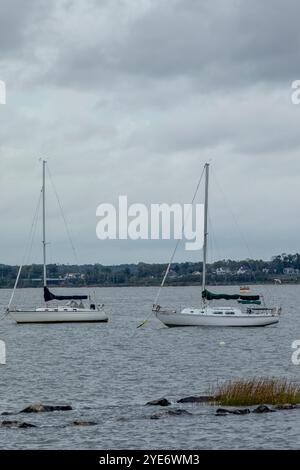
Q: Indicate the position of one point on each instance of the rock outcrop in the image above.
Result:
(159, 402)
(84, 423)
(263, 409)
(286, 406)
(165, 414)
(226, 411)
(196, 399)
(16, 424)
(40, 408)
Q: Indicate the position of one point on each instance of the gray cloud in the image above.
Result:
(131, 97)
(18, 20)
(214, 44)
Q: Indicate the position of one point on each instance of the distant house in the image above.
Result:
(290, 271)
(266, 270)
(172, 273)
(222, 271)
(196, 273)
(70, 276)
(242, 270)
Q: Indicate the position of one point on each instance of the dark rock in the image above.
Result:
(27, 425)
(7, 413)
(223, 411)
(243, 411)
(40, 408)
(199, 399)
(286, 406)
(84, 423)
(123, 418)
(156, 416)
(16, 424)
(226, 411)
(159, 402)
(165, 414)
(263, 409)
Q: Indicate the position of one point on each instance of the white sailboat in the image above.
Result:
(73, 310)
(255, 312)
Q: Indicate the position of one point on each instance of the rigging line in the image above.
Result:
(63, 215)
(25, 252)
(232, 213)
(212, 245)
(50, 250)
(179, 240)
(174, 251)
(33, 234)
(234, 219)
(213, 237)
(214, 240)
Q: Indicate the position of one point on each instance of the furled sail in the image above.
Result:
(245, 298)
(50, 296)
(211, 296)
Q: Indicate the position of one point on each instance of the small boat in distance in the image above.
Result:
(71, 311)
(244, 289)
(255, 312)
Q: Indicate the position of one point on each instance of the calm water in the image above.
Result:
(108, 371)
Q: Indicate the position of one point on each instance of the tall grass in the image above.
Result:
(257, 391)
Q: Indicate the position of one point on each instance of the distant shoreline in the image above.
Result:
(53, 286)
(281, 269)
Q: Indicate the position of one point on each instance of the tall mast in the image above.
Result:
(44, 226)
(205, 226)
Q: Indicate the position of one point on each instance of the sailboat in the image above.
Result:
(254, 312)
(72, 310)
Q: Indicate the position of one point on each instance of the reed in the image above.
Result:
(257, 391)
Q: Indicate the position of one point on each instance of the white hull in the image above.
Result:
(197, 317)
(59, 315)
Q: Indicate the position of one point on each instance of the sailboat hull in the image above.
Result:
(171, 318)
(59, 316)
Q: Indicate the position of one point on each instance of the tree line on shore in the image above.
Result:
(284, 267)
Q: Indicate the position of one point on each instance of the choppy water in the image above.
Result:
(108, 371)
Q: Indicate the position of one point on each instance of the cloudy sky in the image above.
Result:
(131, 97)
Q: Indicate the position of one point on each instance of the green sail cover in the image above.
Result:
(211, 296)
(242, 298)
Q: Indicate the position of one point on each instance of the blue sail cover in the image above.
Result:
(50, 296)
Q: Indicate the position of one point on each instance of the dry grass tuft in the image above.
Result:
(257, 391)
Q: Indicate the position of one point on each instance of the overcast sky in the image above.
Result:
(132, 97)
